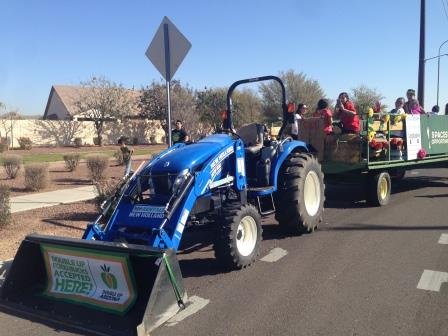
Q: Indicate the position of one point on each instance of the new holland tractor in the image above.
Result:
(125, 270)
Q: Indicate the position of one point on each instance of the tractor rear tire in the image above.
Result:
(238, 241)
(300, 197)
(378, 188)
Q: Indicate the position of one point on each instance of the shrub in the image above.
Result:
(5, 208)
(118, 155)
(11, 164)
(25, 143)
(105, 190)
(71, 161)
(135, 141)
(78, 142)
(36, 176)
(3, 147)
(97, 166)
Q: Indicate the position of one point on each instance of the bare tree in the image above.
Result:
(299, 89)
(7, 122)
(364, 97)
(101, 100)
(61, 131)
(153, 104)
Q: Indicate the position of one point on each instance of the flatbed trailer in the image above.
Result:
(354, 158)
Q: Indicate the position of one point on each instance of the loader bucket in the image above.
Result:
(102, 287)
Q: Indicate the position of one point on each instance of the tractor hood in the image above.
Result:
(191, 156)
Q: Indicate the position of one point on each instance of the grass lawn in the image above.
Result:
(52, 157)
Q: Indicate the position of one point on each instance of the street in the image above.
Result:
(360, 273)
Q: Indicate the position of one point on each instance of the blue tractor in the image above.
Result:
(231, 177)
(123, 275)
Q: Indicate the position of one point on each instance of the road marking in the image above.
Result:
(414, 172)
(443, 238)
(274, 255)
(432, 280)
(195, 304)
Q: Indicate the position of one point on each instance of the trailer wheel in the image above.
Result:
(238, 243)
(379, 188)
(397, 174)
(300, 196)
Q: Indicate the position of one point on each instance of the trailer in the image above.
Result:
(387, 146)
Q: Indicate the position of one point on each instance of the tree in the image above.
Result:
(101, 100)
(153, 106)
(62, 131)
(209, 104)
(247, 107)
(299, 89)
(364, 97)
(7, 122)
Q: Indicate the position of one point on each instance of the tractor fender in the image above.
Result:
(286, 149)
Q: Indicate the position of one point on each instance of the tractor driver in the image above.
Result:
(179, 134)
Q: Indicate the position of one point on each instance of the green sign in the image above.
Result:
(101, 280)
(435, 134)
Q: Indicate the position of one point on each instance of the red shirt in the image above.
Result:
(326, 114)
(350, 122)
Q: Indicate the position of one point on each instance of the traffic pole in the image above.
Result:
(421, 61)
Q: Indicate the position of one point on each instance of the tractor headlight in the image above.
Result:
(180, 180)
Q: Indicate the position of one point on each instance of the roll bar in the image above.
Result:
(227, 123)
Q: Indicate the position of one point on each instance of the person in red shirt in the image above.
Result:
(323, 111)
(345, 111)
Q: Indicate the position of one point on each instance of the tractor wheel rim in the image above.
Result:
(384, 188)
(311, 193)
(246, 237)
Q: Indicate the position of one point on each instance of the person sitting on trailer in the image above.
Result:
(323, 111)
(435, 110)
(412, 106)
(301, 109)
(399, 107)
(345, 111)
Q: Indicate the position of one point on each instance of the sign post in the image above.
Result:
(166, 51)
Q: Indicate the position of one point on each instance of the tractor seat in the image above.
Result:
(252, 136)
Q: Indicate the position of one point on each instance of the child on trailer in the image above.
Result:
(323, 111)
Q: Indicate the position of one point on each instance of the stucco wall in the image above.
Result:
(45, 133)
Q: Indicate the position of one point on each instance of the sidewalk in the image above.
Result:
(63, 196)
(51, 198)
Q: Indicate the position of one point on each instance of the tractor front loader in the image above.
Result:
(123, 276)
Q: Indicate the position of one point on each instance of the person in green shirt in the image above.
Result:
(179, 134)
(127, 153)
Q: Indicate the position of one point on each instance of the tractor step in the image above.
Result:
(260, 191)
(266, 204)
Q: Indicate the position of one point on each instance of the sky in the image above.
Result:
(341, 44)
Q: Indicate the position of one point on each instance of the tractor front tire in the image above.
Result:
(238, 241)
(301, 193)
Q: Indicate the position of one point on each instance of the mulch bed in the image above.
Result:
(67, 220)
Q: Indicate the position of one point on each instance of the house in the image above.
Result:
(61, 104)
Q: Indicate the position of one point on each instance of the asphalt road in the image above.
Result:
(356, 275)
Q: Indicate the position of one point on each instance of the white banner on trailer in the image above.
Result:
(413, 136)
